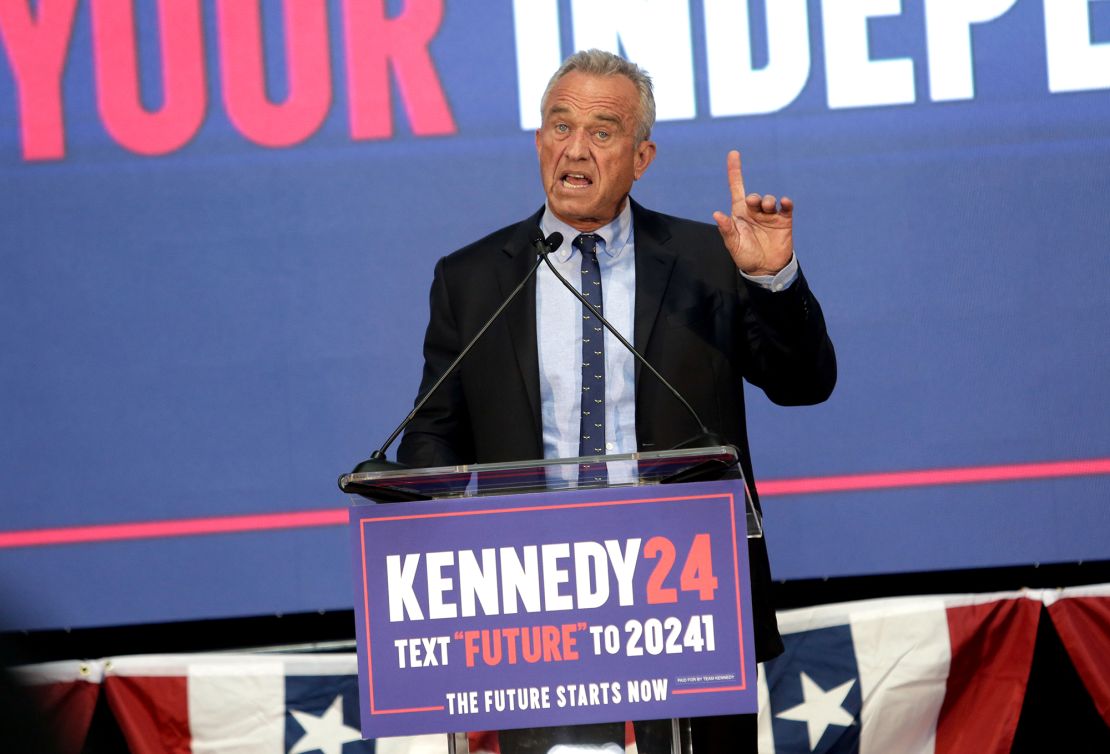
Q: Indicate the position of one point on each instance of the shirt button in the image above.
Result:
(609, 446)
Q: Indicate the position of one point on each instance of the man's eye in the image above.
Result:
(561, 128)
(603, 135)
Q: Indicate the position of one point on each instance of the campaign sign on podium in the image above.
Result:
(557, 608)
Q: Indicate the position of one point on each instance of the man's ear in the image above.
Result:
(645, 153)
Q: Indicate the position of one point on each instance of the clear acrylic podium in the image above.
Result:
(408, 485)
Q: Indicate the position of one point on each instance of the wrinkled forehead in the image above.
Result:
(608, 99)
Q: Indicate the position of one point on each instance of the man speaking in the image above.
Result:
(708, 307)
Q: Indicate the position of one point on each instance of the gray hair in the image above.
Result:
(602, 63)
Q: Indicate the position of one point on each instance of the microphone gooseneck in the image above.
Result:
(377, 460)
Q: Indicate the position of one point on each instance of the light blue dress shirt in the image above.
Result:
(559, 332)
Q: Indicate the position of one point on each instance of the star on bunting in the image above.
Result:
(325, 733)
(820, 709)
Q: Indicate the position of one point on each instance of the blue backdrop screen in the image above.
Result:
(220, 218)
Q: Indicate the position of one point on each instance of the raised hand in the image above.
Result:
(759, 231)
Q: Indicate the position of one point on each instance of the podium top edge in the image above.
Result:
(724, 453)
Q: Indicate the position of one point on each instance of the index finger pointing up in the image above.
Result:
(736, 182)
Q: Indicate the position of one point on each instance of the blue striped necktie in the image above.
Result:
(592, 436)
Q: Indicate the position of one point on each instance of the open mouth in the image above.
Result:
(576, 181)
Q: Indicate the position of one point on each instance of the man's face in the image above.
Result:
(588, 151)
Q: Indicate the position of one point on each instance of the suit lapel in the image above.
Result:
(654, 264)
(515, 261)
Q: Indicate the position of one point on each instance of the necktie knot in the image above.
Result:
(586, 243)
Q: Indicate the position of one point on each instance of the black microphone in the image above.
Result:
(377, 460)
(704, 436)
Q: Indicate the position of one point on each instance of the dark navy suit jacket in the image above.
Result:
(703, 326)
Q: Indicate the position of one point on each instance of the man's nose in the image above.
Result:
(579, 147)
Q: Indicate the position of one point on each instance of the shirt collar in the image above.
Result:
(615, 235)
